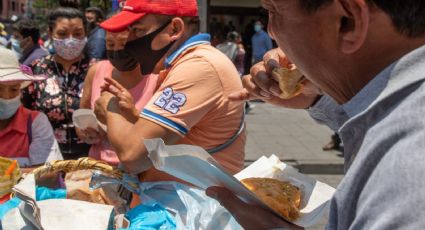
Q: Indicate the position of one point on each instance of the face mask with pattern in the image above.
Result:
(69, 48)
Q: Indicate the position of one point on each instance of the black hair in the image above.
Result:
(193, 23)
(232, 36)
(27, 28)
(100, 16)
(64, 12)
(408, 16)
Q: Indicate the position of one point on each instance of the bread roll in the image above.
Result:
(290, 82)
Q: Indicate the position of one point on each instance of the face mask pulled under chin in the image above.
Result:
(141, 50)
(8, 107)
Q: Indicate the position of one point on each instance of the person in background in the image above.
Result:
(25, 41)
(240, 56)
(229, 27)
(124, 69)
(261, 43)
(235, 51)
(3, 36)
(334, 143)
(230, 47)
(59, 95)
(25, 135)
(96, 44)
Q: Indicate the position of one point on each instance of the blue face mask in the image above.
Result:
(8, 107)
(258, 28)
(16, 46)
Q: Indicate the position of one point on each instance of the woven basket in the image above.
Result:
(119, 198)
(8, 181)
(75, 165)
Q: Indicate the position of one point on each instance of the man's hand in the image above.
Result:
(101, 106)
(124, 99)
(248, 216)
(260, 84)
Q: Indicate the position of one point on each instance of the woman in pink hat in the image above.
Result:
(25, 135)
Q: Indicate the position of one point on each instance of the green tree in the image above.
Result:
(103, 4)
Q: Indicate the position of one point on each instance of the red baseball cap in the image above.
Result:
(134, 10)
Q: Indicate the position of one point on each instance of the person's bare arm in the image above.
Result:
(127, 140)
(247, 215)
(85, 101)
(126, 131)
(89, 136)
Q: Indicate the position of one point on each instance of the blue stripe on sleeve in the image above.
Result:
(165, 121)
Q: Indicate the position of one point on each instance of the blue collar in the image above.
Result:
(191, 42)
(362, 100)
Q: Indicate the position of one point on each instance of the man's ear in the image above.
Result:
(177, 28)
(354, 25)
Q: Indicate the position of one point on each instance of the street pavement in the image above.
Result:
(296, 139)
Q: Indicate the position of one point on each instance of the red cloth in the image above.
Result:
(4, 199)
(14, 138)
(134, 10)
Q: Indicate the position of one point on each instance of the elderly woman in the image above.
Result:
(25, 135)
(59, 95)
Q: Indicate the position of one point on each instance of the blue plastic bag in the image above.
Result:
(9, 205)
(43, 193)
(150, 217)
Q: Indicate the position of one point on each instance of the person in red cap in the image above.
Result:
(190, 104)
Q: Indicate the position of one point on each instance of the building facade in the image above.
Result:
(8, 8)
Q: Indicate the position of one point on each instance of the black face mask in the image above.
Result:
(90, 26)
(121, 60)
(141, 50)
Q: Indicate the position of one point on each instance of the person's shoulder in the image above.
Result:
(43, 61)
(40, 121)
(98, 34)
(86, 63)
(209, 54)
(210, 58)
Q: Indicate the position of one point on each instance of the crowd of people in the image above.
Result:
(85, 62)
(78, 56)
(148, 72)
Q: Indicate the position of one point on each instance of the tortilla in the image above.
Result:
(282, 197)
(290, 82)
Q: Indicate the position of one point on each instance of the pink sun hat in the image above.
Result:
(12, 71)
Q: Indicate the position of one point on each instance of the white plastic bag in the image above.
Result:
(56, 213)
(192, 209)
(194, 165)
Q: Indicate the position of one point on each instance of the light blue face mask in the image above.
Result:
(258, 28)
(8, 107)
(16, 46)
